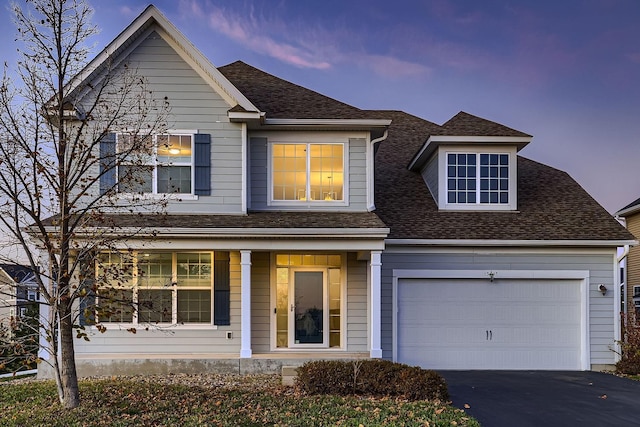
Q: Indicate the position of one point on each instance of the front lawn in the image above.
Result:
(242, 401)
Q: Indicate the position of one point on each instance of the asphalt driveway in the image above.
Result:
(545, 398)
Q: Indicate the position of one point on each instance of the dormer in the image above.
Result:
(471, 164)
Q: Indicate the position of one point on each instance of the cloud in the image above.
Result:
(301, 44)
(249, 32)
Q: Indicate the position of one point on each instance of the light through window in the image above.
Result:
(160, 164)
(172, 287)
(308, 172)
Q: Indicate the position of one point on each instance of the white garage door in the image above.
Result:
(478, 324)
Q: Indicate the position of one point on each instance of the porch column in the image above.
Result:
(376, 320)
(245, 304)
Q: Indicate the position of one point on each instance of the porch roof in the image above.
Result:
(269, 221)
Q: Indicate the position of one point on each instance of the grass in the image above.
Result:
(130, 402)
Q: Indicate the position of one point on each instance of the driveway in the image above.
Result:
(545, 398)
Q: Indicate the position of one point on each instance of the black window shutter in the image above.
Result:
(202, 160)
(107, 159)
(221, 291)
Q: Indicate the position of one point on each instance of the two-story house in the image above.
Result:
(306, 228)
(631, 215)
(18, 292)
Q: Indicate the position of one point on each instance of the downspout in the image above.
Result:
(371, 178)
(624, 254)
(617, 329)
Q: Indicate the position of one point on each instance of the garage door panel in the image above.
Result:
(478, 324)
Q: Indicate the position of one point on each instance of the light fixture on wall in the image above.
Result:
(602, 288)
(492, 276)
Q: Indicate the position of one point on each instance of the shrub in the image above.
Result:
(629, 362)
(371, 377)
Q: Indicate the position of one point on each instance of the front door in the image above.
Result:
(307, 319)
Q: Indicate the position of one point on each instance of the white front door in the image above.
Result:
(308, 320)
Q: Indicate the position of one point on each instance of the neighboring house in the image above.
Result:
(307, 228)
(631, 215)
(18, 291)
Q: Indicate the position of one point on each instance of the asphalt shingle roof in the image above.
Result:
(465, 124)
(282, 99)
(551, 205)
(270, 219)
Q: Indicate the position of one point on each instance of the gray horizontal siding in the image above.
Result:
(195, 105)
(260, 302)
(259, 177)
(599, 265)
(357, 310)
(172, 340)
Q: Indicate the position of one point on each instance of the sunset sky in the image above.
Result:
(566, 72)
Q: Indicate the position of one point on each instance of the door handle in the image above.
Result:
(293, 307)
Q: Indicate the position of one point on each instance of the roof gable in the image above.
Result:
(465, 124)
(151, 19)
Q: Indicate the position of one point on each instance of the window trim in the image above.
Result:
(477, 206)
(308, 138)
(155, 164)
(174, 295)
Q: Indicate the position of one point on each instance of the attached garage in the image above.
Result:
(509, 322)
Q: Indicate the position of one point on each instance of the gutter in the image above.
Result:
(493, 243)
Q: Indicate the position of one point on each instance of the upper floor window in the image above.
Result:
(308, 172)
(158, 164)
(478, 178)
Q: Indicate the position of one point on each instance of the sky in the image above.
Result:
(566, 72)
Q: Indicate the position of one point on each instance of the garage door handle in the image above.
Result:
(490, 335)
(487, 332)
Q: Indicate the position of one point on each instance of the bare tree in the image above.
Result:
(56, 111)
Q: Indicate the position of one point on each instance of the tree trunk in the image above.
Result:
(71, 394)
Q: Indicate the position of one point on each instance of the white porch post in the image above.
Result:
(376, 319)
(245, 304)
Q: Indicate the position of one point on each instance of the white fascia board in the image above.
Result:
(244, 115)
(183, 47)
(193, 243)
(533, 243)
(432, 143)
(629, 211)
(346, 123)
(280, 233)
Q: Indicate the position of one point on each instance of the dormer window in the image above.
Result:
(474, 178)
